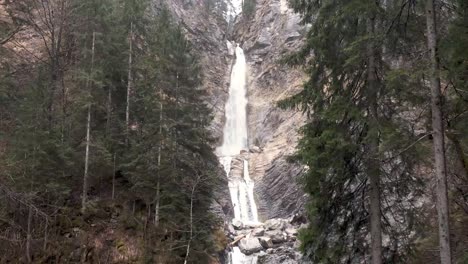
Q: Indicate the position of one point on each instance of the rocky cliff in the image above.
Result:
(273, 31)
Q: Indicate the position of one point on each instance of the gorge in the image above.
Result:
(233, 131)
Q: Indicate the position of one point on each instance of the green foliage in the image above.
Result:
(335, 143)
(46, 150)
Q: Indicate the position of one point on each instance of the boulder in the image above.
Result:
(252, 225)
(266, 242)
(250, 245)
(298, 219)
(258, 232)
(291, 231)
(231, 230)
(276, 236)
(275, 224)
(237, 224)
(255, 149)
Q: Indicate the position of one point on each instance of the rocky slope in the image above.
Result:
(266, 38)
(272, 242)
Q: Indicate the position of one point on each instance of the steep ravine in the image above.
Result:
(206, 29)
(266, 38)
(272, 133)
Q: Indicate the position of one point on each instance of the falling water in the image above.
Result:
(235, 129)
(234, 141)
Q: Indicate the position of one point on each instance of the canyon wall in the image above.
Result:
(273, 32)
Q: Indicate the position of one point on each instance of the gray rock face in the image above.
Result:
(250, 245)
(275, 224)
(276, 236)
(237, 224)
(266, 38)
(281, 255)
(266, 242)
(258, 232)
(291, 231)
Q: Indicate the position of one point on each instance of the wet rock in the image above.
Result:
(291, 231)
(231, 230)
(275, 224)
(265, 38)
(298, 219)
(255, 149)
(258, 232)
(250, 245)
(275, 259)
(276, 236)
(237, 224)
(252, 225)
(266, 242)
(244, 232)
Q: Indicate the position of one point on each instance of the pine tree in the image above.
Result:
(356, 142)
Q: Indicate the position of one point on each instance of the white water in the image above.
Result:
(235, 128)
(234, 141)
(233, 10)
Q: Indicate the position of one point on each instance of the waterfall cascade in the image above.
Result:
(234, 141)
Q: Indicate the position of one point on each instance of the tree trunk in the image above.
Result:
(129, 82)
(28, 236)
(438, 137)
(187, 253)
(88, 128)
(113, 178)
(373, 169)
(109, 112)
(46, 230)
(158, 184)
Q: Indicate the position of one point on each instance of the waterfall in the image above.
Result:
(235, 129)
(235, 139)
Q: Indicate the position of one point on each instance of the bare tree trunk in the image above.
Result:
(113, 178)
(88, 128)
(438, 137)
(28, 236)
(158, 184)
(109, 112)
(46, 232)
(373, 169)
(129, 83)
(187, 253)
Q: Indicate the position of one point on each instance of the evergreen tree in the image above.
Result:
(355, 145)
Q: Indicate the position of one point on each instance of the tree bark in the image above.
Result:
(29, 237)
(109, 112)
(113, 178)
(187, 253)
(373, 166)
(438, 137)
(158, 184)
(129, 82)
(88, 128)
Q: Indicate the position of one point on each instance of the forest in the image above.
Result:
(387, 97)
(102, 124)
(108, 148)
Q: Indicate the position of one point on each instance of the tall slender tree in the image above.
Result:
(438, 134)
